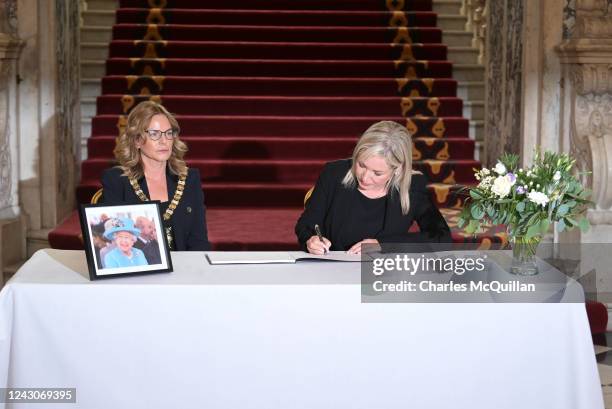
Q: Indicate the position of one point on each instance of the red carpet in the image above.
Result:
(278, 86)
(267, 91)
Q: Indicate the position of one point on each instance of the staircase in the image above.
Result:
(266, 92)
(97, 19)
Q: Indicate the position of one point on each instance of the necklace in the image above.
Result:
(178, 193)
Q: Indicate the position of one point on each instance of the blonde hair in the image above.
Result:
(392, 142)
(128, 155)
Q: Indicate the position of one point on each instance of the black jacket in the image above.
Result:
(189, 219)
(150, 250)
(331, 203)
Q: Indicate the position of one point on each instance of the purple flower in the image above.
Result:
(520, 190)
(512, 177)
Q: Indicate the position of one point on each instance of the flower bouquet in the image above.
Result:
(527, 201)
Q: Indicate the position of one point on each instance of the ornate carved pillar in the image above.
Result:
(587, 60)
(503, 60)
(49, 126)
(10, 47)
(12, 223)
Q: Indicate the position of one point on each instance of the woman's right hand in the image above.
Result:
(316, 246)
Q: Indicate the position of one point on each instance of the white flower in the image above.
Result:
(485, 171)
(485, 183)
(520, 170)
(557, 176)
(500, 169)
(501, 186)
(538, 198)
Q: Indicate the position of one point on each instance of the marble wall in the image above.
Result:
(48, 110)
(7, 149)
(504, 79)
(569, 18)
(9, 49)
(12, 222)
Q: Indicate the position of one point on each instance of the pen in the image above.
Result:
(318, 231)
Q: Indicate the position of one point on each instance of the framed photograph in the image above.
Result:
(123, 240)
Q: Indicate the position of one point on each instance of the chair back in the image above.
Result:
(307, 195)
(96, 197)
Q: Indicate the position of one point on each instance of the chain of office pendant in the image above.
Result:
(175, 200)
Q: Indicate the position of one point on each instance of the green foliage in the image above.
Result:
(527, 200)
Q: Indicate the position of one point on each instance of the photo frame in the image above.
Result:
(124, 240)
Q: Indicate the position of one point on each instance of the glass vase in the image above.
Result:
(524, 256)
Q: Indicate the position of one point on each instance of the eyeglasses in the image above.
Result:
(155, 134)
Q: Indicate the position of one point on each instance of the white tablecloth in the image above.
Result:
(281, 336)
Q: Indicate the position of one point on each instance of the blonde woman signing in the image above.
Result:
(151, 167)
(372, 198)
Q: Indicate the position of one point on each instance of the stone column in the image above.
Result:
(9, 146)
(586, 57)
(12, 224)
(49, 113)
(503, 60)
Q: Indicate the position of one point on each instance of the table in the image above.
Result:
(280, 336)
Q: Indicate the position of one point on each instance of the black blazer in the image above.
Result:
(331, 203)
(189, 219)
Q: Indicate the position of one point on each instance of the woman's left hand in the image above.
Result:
(356, 249)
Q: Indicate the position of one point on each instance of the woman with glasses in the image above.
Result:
(151, 166)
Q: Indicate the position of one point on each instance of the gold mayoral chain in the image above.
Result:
(178, 193)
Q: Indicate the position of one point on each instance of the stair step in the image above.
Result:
(96, 34)
(296, 5)
(447, 7)
(90, 87)
(85, 130)
(275, 148)
(88, 107)
(274, 195)
(235, 125)
(291, 171)
(471, 90)
(102, 4)
(290, 106)
(450, 22)
(267, 50)
(345, 18)
(92, 68)
(120, 84)
(277, 33)
(474, 109)
(457, 38)
(98, 17)
(300, 68)
(468, 72)
(476, 130)
(94, 51)
(462, 55)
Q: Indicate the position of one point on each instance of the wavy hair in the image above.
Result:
(392, 142)
(128, 155)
